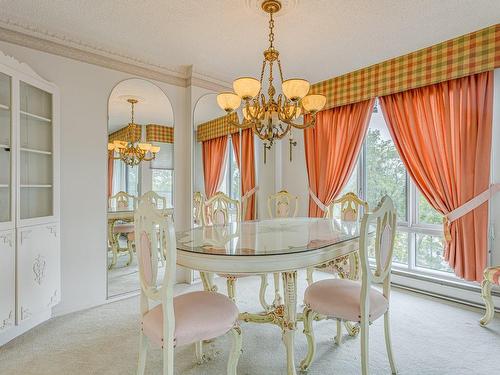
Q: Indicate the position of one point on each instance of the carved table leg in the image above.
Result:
(277, 296)
(231, 288)
(290, 318)
(113, 242)
(488, 302)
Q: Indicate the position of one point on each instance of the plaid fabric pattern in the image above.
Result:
(122, 134)
(463, 56)
(218, 127)
(159, 133)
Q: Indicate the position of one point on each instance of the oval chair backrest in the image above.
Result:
(383, 221)
(349, 205)
(122, 201)
(198, 201)
(217, 209)
(279, 205)
(157, 200)
(155, 237)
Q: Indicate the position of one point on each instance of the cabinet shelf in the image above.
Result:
(36, 186)
(32, 115)
(5, 107)
(32, 150)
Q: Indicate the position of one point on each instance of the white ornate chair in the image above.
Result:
(121, 201)
(491, 277)
(281, 205)
(186, 319)
(356, 301)
(198, 201)
(219, 210)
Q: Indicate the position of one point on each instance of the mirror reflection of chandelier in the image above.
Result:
(271, 119)
(130, 150)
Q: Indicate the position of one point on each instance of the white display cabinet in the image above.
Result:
(29, 198)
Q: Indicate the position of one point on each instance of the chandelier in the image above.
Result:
(271, 119)
(131, 151)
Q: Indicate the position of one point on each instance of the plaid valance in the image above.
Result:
(218, 127)
(159, 133)
(463, 56)
(122, 135)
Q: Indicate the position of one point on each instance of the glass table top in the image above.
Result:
(267, 237)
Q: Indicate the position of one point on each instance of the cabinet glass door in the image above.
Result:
(36, 165)
(5, 148)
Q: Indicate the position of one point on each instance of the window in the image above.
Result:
(125, 178)
(231, 183)
(419, 242)
(162, 173)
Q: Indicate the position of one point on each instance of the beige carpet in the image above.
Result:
(430, 337)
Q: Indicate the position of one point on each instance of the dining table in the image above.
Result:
(283, 245)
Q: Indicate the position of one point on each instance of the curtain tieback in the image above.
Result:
(249, 193)
(316, 200)
(467, 207)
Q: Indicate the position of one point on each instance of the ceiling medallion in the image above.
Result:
(271, 119)
(130, 150)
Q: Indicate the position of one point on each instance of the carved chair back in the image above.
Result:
(384, 220)
(219, 209)
(122, 201)
(198, 201)
(155, 235)
(282, 204)
(157, 200)
(349, 205)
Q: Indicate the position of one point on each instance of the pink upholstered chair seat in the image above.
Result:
(198, 316)
(123, 228)
(492, 274)
(338, 298)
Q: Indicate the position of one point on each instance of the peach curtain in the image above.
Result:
(111, 165)
(332, 147)
(214, 158)
(247, 169)
(443, 135)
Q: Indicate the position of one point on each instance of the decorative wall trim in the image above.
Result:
(28, 36)
(7, 322)
(7, 239)
(468, 54)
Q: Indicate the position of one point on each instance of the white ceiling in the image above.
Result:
(153, 106)
(318, 39)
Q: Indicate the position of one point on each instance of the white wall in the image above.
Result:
(84, 98)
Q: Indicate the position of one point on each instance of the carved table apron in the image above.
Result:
(268, 246)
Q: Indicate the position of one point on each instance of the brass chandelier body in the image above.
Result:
(131, 151)
(271, 119)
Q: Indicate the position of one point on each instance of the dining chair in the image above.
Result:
(281, 205)
(220, 210)
(189, 318)
(121, 201)
(343, 299)
(491, 277)
(198, 201)
(349, 206)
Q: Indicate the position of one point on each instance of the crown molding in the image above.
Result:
(27, 36)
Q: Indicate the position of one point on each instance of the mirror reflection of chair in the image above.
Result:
(121, 227)
(491, 277)
(219, 210)
(348, 300)
(281, 205)
(198, 201)
(170, 323)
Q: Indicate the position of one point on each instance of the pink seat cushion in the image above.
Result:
(338, 298)
(123, 228)
(198, 316)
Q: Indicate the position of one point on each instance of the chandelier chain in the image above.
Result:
(281, 70)
(271, 27)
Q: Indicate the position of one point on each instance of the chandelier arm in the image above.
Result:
(305, 125)
(243, 125)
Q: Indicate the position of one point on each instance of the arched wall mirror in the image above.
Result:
(140, 161)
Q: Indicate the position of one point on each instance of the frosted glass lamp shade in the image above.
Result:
(295, 89)
(155, 149)
(228, 101)
(313, 103)
(246, 87)
(144, 146)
